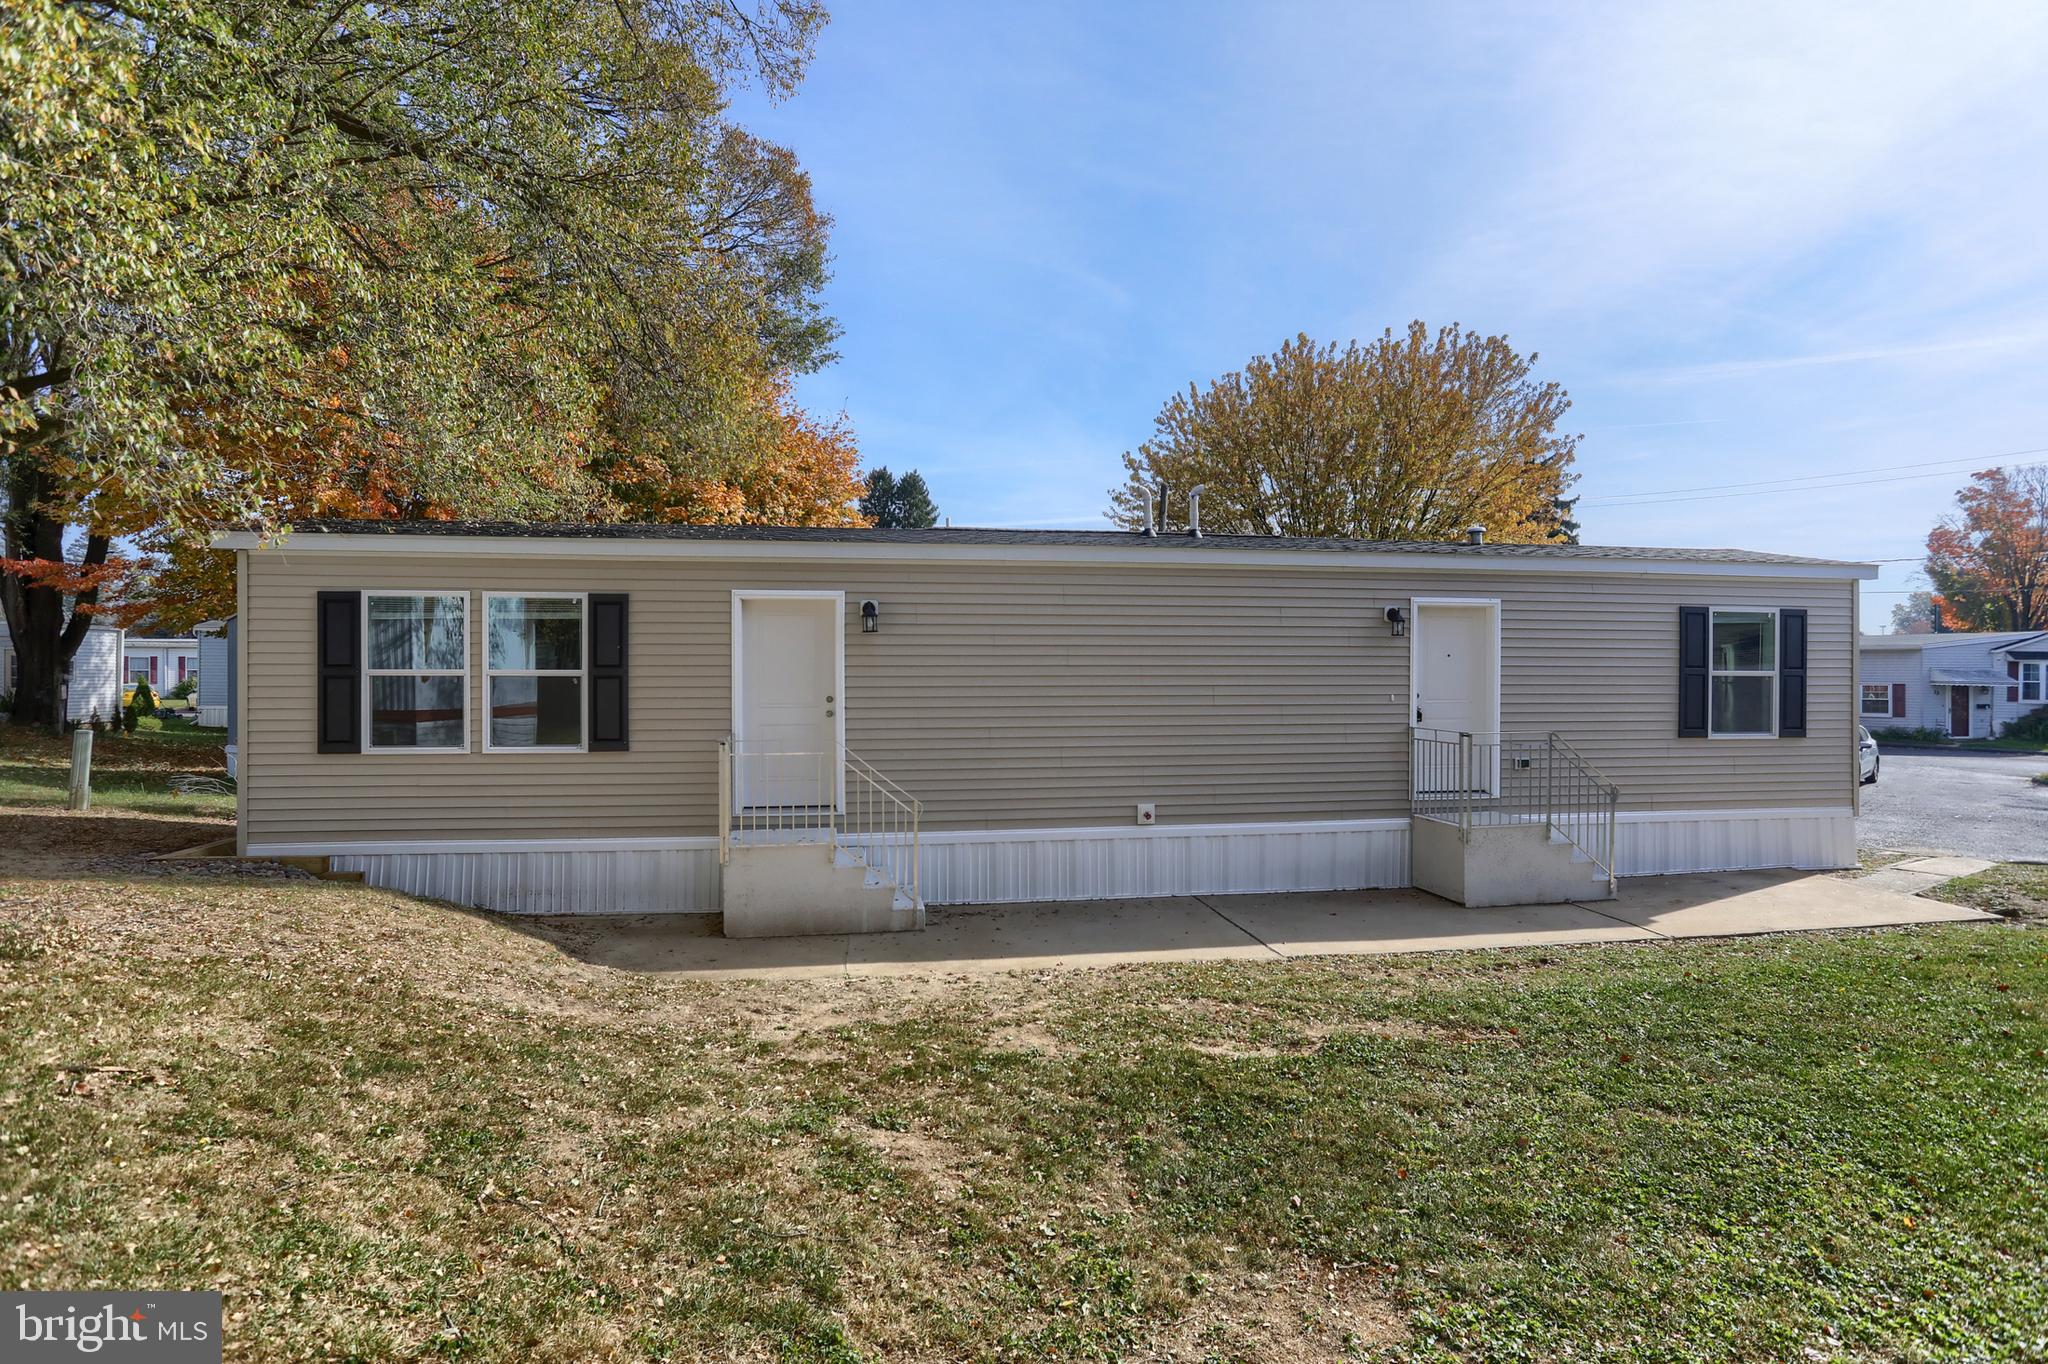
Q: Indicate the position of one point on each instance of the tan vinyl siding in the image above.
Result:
(1023, 696)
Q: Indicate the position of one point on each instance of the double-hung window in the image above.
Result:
(2030, 680)
(416, 652)
(1743, 672)
(1877, 698)
(536, 658)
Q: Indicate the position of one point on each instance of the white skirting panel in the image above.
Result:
(981, 868)
(1660, 843)
(599, 881)
(657, 876)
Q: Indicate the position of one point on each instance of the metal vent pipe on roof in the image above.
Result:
(1195, 510)
(1475, 534)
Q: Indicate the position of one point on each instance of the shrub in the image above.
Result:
(149, 724)
(2032, 727)
(129, 719)
(1898, 734)
(184, 687)
(143, 702)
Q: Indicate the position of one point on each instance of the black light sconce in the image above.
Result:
(870, 617)
(1398, 620)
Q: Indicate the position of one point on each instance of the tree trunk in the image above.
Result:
(45, 636)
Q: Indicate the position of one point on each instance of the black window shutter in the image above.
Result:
(340, 663)
(608, 672)
(1692, 672)
(1792, 674)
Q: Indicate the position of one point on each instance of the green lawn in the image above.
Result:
(389, 1130)
(129, 771)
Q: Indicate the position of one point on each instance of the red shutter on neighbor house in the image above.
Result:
(1898, 700)
(2012, 670)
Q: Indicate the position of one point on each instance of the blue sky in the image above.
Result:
(1754, 242)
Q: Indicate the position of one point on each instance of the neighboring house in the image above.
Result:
(216, 672)
(93, 676)
(675, 718)
(1966, 686)
(161, 660)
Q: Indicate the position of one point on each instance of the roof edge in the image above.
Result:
(1115, 547)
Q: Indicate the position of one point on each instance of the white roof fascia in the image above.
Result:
(580, 547)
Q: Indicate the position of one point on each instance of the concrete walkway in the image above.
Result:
(1246, 928)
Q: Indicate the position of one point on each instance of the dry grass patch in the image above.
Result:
(387, 1129)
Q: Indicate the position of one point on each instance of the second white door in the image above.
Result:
(788, 703)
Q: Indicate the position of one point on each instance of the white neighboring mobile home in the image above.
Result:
(161, 660)
(1967, 686)
(825, 729)
(94, 678)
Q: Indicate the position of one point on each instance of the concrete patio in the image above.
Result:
(969, 939)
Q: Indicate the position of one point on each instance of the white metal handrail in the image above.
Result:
(771, 794)
(883, 823)
(1478, 779)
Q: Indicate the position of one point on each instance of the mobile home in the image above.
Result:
(823, 729)
(92, 680)
(1966, 686)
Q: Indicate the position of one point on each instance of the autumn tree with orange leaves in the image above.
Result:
(1989, 560)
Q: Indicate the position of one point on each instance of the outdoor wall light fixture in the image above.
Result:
(871, 617)
(1399, 621)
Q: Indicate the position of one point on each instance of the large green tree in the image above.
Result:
(483, 239)
(1409, 437)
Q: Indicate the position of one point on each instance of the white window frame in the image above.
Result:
(2034, 676)
(582, 600)
(1776, 628)
(370, 744)
(1863, 709)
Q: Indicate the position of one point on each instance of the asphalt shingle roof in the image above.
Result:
(962, 535)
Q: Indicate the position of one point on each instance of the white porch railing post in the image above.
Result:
(1464, 785)
(725, 800)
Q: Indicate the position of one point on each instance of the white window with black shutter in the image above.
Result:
(1741, 672)
(416, 672)
(535, 672)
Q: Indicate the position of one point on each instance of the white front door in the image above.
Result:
(788, 704)
(1454, 668)
(1455, 680)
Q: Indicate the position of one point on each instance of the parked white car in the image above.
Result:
(1866, 754)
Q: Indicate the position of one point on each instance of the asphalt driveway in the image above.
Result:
(1979, 804)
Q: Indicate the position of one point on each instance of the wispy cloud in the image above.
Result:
(1717, 369)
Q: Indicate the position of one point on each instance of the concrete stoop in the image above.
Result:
(786, 890)
(1502, 864)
